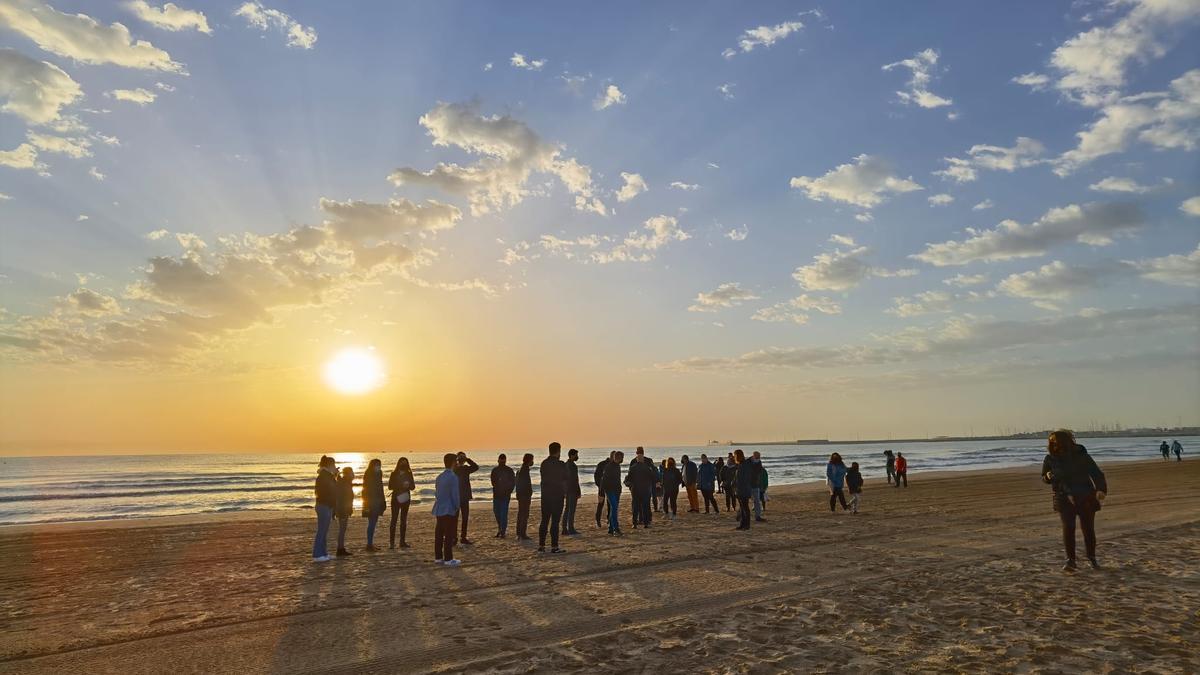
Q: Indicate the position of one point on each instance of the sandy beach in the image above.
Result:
(957, 572)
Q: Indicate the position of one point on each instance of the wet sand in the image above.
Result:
(957, 572)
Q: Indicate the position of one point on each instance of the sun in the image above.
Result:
(355, 371)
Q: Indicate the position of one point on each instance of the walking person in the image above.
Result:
(671, 480)
(326, 494)
(756, 469)
(691, 476)
(1165, 450)
(891, 465)
(835, 478)
(374, 501)
(1177, 449)
(345, 507)
(611, 484)
(503, 482)
(553, 476)
(524, 496)
(464, 466)
(447, 498)
(1079, 488)
(573, 493)
(598, 479)
(854, 483)
(901, 469)
(401, 483)
(708, 483)
(745, 488)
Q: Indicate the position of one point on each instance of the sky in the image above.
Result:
(602, 223)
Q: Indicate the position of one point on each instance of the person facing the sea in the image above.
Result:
(728, 476)
(465, 466)
(503, 482)
(891, 465)
(756, 469)
(345, 507)
(835, 477)
(598, 479)
(573, 493)
(762, 485)
(708, 483)
(611, 484)
(901, 469)
(524, 496)
(553, 476)
(447, 498)
(854, 483)
(374, 502)
(641, 480)
(326, 494)
(671, 479)
(745, 488)
(401, 483)
(1165, 450)
(1079, 488)
(691, 477)
(1177, 449)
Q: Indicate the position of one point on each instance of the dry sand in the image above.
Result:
(957, 572)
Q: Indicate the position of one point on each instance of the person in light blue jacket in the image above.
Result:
(835, 476)
(446, 502)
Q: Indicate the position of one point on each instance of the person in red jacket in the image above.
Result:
(901, 469)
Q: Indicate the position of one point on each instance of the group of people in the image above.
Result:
(1174, 447)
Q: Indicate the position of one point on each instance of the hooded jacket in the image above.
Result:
(1075, 473)
(708, 476)
(854, 480)
(503, 482)
(524, 482)
(836, 475)
(345, 498)
(326, 488)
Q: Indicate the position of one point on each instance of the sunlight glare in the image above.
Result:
(355, 371)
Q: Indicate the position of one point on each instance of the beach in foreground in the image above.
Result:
(957, 572)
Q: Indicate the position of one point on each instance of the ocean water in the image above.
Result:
(60, 489)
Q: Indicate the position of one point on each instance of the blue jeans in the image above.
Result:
(756, 502)
(614, 502)
(324, 517)
(372, 521)
(500, 508)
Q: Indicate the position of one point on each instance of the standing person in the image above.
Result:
(854, 483)
(720, 464)
(901, 469)
(891, 465)
(728, 476)
(447, 499)
(762, 486)
(657, 493)
(672, 478)
(1177, 449)
(708, 483)
(756, 469)
(1079, 488)
(835, 477)
(1165, 450)
(691, 475)
(374, 502)
(463, 468)
(745, 488)
(573, 492)
(641, 481)
(503, 482)
(553, 475)
(598, 479)
(524, 496)
(326, 492)
(345, 507)
(401, 483)
(611, 484)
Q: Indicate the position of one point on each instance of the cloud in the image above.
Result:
(82, 38)
(797, 309)
(24, 156)
(487, 66)
(170, 16)
(726, 91)
(642, 245)
(686, 187)
(940, 199)
(726, 295)
(265, 19)
(1191, 206)
(1035, 81)
(91, 303)
(922, 66)
(96, 173)
(634, 186)
(1094, 224)
(360, 221)
(1058, 280)
(519, 61)
(1114, 184)
(1025, 153)
(73, 147)
(763, 36)
(738, 233)
(574, 83)
(139, 96)
(1174, 269)
(864, 183)
(609, 97)
(510, 153)
(34, 90)
(163, 86)
(964, 280)
(841, 270)
(983, 205)
(927, 302)
(1164, 120)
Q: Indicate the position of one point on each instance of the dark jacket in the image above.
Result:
(503, 482)
(598, 474)
(611, 482)
(573, 479)
(401, 481)
(553, 474)
(708, 476)
(691, 473)
(728, 474)
(345, 498)
(1074, 473)
(374, 502)
(464, 471)
(326, 489)
(854, 480)
(524, 483)
(747, 478)
(672, 479)
(641, 477)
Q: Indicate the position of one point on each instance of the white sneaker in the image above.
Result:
(452, 563)
(324, 558)
(439, 561)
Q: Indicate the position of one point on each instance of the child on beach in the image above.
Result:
(854, 482)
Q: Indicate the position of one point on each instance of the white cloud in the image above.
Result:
(642, 245)
(964, 280)
(1174, 269)
(983, 205)
(864, 183)
(634, 186)
(797, 309)
(574, 83)
(609, 97)
(940, 199)
(1114, 184)
(34, 90)
(726, 295)
(686, 187)
(519, 61)
(922, 65)
(91, 303)
(81, 217)
(1025, 153)
(841, 270)
(1191, 206)
(738, 233)
(82, 38)
(510, 153)
(1035, 81)
(1093, 224)
(927, 302)
(24, 156)
(139, 96)
(726, 91)
(487, 66)
(163, 86)
(73, 147)
(1059, 281)
(4, 197)
(265, 19)
(170, 16)
(96, 173)
(763, 36)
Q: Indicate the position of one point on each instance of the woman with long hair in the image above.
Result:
(1079, 487)
(672, 478)
(835, 476)
(401, 484)
(326, 489)
(373, 500)
(345, 507)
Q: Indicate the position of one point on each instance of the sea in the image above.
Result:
(84, 488)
